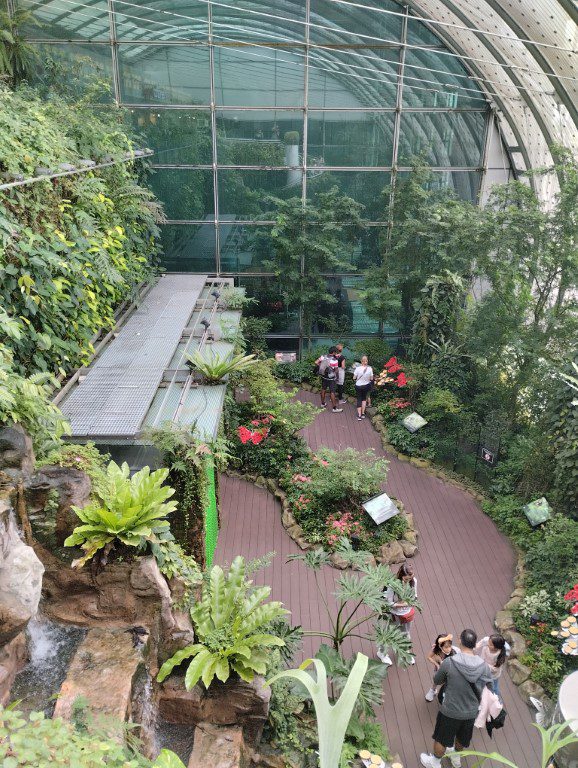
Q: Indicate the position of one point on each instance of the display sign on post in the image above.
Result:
(380, 508)
(538, 511)
(413, 422)
(285, 357)
(488, 456)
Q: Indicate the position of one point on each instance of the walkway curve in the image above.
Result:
(464, 568)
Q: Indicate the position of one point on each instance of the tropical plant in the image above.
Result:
(338, 670)
(85, 457)
(16, 55)
(438, 308)
(133, 513)
(72, 249)
(26, 400)
(360, 603)
(234, 298)
(34, 740)
(215, 367)
(308, 241)
(332, 719)
(553, 740)
(230, 622)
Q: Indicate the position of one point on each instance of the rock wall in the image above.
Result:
(20, 569)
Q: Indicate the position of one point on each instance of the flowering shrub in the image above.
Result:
(388, 375)
(394, 409)
(259, 432)
(572, 596)
(342, 524)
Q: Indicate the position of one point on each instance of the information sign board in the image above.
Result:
(380, 508)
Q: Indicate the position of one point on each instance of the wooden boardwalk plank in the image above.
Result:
(464, 568)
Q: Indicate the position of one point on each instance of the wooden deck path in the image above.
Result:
(464, 569)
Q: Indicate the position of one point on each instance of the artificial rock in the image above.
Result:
(16, 452)
(218, 747)
(73, 488)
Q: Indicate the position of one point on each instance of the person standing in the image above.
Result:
(464, 676)
(493, 650)
(328, 366)
(441, 649)
(362, 376)
(401, 613)
(340, 373)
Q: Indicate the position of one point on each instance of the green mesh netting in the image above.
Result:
(211, 518)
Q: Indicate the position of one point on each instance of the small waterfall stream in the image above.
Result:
(51, 647)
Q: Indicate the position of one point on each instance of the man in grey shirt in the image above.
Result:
(464, 676)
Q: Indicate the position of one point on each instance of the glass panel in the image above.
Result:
(259, 22)
(244, 247)
(75, 71)
(176, 135)
(271, 303)
(344, 315)
(164, 74)
(243, 193)
(186, 193)
(447, 138)
(346, 24)
(466, 184)
(259, 76)
(259, 138)
(419, 34)
(189, 247)
(283, 344)
(134, 23)
(362, 77)
(425, 69)
(350, 138)
(365, 187)
(64, 20)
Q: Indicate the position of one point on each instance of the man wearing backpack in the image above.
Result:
(328, 366)
(464, 676)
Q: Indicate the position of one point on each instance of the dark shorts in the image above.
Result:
(330, 384)
(362, 393)
(448, 730)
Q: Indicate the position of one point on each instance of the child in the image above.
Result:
(441, 649)
(493, 650)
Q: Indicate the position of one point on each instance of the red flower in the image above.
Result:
(255, 422)
(573, 594)
(391, 362)
(244, 434)
(257, 437)
(401, 380)
(574, 610)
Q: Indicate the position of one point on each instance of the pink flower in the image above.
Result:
(401, 380)
(244, 434)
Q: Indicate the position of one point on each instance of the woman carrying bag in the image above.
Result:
(401, 613)
(363, 377)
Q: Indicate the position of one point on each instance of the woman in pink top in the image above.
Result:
(493, 650)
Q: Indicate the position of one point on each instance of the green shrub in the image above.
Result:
(133, 513)
(300, 371)
(552, 561)
(507, 513)
(32, 741)
(87, 458)
(412, 444)
(378, 351)
(440, 406)
(73, 248)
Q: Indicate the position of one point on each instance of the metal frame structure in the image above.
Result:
(518, 76)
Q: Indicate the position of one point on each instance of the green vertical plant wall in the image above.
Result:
(72, 248)
(211, 513)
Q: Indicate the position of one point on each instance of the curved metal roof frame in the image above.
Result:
(534, 88)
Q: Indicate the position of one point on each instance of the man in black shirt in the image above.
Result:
(340, 373)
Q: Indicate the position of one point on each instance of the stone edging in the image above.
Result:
(393, 552)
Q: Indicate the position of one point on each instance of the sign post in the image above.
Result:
(380, 508)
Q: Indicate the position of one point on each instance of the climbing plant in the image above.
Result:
(71, 248)
(437, 312)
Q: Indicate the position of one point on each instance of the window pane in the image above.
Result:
(63, 20)
(186, 193)
(275, 21)
(448, 139)
(362, 77)
(271, 303)
(365, 187)
(419, 34)
(176, 135)
(189, 247)
(259, 138)
(243, 193)
(433, 79)
(164, 74)
(146, 23)
(259, 76)
(76, 70)
(343, 23)
(465, 184)
(350, 138)
(345, 314)
(244, 247)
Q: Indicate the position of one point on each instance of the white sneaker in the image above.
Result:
(455, 757)
(412, 661)
(337, 410)
(429, 761)
(430, 695)
(383, 657)
(342, 402)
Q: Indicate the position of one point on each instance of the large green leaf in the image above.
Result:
(197, 667)
(178, 658)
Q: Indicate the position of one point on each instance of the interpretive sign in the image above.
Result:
(538, 511)
(285, 357)
(488, 456)
(413, 422)
(380, 508)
